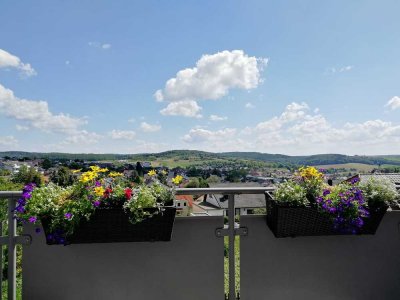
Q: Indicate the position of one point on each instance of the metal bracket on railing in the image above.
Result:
(24, 239)
(242, 231)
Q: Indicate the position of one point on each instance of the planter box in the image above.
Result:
(112, 225)
(292, 221)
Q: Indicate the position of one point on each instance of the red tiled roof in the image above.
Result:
(188, 198)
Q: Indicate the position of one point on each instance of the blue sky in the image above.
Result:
(291, 77)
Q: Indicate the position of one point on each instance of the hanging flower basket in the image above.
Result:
(293, 221)
(112, 225)
(101, 207)
(306, 206)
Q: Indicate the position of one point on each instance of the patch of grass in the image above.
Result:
(237, 264)
(359, 167)
(4, 286)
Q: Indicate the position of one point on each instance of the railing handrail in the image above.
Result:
(8, 194)
(224, 190)
(187, 191)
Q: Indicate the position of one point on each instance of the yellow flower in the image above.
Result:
(115, 174)
(76, 171)
(164, 172)
(95, 168)
(152, 173)
(103, 170)
(88, 176)
(177, 179)
(99, 191)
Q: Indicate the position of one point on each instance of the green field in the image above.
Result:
(357, 166)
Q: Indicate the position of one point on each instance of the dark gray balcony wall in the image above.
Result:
(188, 267)
(330, 267)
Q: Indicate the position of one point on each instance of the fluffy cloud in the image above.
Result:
(216, 118)
(21, 127)
(393, 103)
(146, 127)
(8, 142)
(122, 134)
(298, 130)
(7, 60)
(37, 114)
(211, 79)
(197, 135)
(182, 108)
(82, 137)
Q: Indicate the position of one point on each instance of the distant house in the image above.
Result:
(146, 164)
(184, 205)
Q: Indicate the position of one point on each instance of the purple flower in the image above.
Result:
(326, 192)
(98, 183)
(355, 180)
(32, 219)
(38, 230)
(68, 216)
(96, 203)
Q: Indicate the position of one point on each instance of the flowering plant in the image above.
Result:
(63, 208)
(291, 193)
(345, 205)
(379, 191)
(311, 179)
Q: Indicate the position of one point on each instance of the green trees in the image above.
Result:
(28, 174)
(62, 176)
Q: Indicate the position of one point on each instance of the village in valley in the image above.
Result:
(196, 171)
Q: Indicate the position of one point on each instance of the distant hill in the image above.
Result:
(311, 160)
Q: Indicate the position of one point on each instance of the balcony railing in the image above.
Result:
(191, 265)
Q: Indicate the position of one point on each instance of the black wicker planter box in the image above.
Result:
(292, 221)
(112, 225)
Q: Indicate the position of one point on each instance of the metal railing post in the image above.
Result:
(231, 224)
(12, 251)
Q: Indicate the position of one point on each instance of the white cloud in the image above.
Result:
(37, 113)
(212, 78)
(182, 108)
(198, 135)
(122, 134)
(21, 127)
(249, 105)
(131, 120)
(7, 60)
(146, 127)
(8, 141)
(104, 46)
(334, 70)
(82, 137)
(216, 118)
(393, 103)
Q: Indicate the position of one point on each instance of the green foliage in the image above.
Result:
(62, 176)
(213, 179)
(4, 172)
(193, 183)
(291, 193)
(379, 190)
(27, 175)
(46, 164)
(236, 175)
(144, 203)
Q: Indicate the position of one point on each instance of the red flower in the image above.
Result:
(107, 192)
(128, 193)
